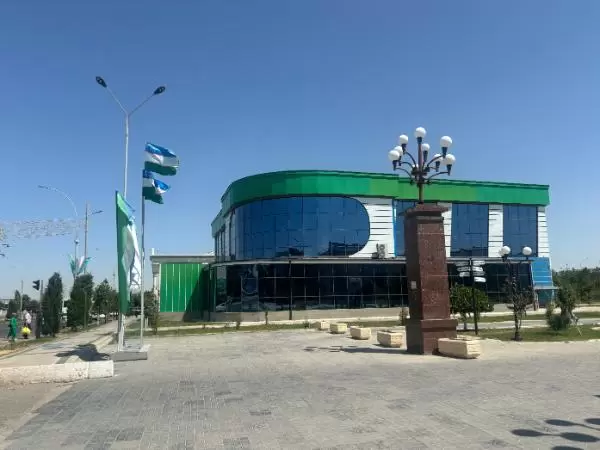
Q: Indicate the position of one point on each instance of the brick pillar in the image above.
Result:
(427, 275)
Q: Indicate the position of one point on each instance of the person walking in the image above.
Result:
(12, 328)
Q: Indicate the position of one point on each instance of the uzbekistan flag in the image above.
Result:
(153, 189)
(160, 160)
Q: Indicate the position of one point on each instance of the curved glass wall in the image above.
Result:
(303, 286)
(298, 226)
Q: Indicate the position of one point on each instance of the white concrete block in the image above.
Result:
(360, 333)
(393, 339)
(463, 347)
(338, 328)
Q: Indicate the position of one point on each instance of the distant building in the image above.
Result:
(301, 242)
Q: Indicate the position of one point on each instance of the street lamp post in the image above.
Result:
(70, 200)
(420, 169)
(88, 214)
(159, 90)
(429, 302)
(519, 304)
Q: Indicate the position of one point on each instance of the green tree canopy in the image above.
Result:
(80, 302)
(102, 298)
(52, 304)
(461, 302)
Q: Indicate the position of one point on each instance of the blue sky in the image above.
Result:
(262, 85)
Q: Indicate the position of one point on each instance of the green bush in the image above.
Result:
(461, 302)
(557, 322)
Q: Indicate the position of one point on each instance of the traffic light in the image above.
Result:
(36, 285)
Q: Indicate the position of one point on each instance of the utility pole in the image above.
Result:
(85, 234)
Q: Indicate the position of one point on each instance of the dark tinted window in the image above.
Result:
(400, 206)
(469, 229)
(520, 228)
(298, 226)
(284, 286)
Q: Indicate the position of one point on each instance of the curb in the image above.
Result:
(57, 373)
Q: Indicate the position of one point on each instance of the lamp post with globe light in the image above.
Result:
(519, 299)
(422, 169)
(425, 252)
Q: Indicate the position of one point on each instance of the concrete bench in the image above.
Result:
(390, 338)
(360, 333)
(338, 328)
(323, 326)
(464, 347)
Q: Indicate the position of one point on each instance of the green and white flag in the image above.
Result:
(128, 252)
(160, 160)
(153, 189)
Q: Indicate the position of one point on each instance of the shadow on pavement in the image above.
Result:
(85, 352)
(375, 348)
(590, 436)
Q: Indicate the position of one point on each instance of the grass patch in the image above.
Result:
(541, 334)
(508, 317)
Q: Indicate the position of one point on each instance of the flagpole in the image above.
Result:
(143, 258)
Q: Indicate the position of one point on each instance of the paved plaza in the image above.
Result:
(312, 390)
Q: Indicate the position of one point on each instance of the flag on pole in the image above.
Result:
(128, 252)
(79, 265)
(153, 189)
(160, 160)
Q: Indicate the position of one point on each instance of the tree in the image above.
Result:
(80, 301)
(102, 299)
(29, 304)
(519, 299)
(18, 300)
(52, 304)
(152, 310)
(12, 309)
(461, 302)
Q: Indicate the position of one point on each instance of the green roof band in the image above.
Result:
(381, 185)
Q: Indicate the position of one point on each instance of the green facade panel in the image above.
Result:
(312, 182)
(182, 287)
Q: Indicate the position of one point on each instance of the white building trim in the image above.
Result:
(381, 222)
(542, 233)
(495, 229)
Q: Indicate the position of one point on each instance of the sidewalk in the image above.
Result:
(70, 348)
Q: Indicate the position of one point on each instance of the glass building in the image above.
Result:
(321, 240)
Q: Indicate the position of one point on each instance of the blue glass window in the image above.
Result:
(469, 229)
(298, 226)
(400, 206)
(520, 228)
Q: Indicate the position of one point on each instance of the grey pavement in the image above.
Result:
(305, 389)
(68, 348)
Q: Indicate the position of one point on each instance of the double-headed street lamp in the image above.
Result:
(77, 224)
(514, 285)
(70, 200)
(420, 169)
(159, 90)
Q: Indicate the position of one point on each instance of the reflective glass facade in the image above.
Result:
(305, 286)
(297, 226)
(520, 228)
(400, 206)
(470, 223)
